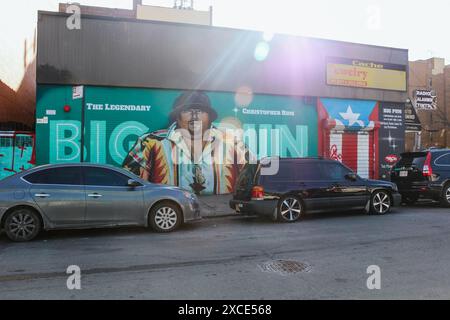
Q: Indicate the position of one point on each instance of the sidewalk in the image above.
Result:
(216, 206)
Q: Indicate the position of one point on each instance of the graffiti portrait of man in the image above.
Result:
(191, 153)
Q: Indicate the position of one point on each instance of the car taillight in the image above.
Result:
(427, 170)
(257, 193)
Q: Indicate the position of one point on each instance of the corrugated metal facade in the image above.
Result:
(133, 53)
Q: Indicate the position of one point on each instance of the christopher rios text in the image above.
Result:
(226, 309)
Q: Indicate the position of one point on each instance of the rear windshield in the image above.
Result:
(287, 171)
(247, 176)
(298, 171)
(412, 160)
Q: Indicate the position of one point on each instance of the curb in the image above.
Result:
(228, 216)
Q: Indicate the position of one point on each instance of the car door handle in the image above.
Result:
(334, 187)
(42, 195)
(95, 195)
(336, 184)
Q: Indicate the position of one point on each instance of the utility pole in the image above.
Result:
(136, 3)
(447, 122)
(430, 85)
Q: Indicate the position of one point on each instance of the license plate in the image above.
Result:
(403, 173)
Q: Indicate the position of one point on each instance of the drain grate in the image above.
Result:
(285, 267)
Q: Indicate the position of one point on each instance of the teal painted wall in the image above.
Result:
(110, 132)
(16, 153)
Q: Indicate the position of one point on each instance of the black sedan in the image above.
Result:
(302, 185)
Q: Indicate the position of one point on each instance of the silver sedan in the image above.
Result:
(80, 196)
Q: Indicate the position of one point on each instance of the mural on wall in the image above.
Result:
(392, 136)
(349, 133)
(197, 140)
(16, 153)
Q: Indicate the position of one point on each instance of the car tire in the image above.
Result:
(22, 225)
(380, 202)
(410, 199)
(445, 197)
(165, 217)
(290, 209)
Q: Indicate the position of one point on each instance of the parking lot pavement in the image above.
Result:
(325, 256)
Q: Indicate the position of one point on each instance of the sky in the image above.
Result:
(420, 26)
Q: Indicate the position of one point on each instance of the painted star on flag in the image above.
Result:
(351, 117)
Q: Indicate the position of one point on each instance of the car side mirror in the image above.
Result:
(351, 176)
(133, 183)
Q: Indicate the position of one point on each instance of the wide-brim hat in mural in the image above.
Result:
(192, 100)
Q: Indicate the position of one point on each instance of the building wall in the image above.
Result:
(18, 65)
(447, 103)
(101, 11)
(420, 74)
(132, 62)
(16, 152)
(118, 52)
(115, 118)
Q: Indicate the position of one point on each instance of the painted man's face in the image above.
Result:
(194, 120)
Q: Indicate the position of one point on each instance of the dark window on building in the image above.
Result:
(63, 175)
(23, 141)
(6, 142)
(104, 177)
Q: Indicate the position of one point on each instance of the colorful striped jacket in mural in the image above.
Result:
(164, 157)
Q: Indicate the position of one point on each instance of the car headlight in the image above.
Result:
(394, 187)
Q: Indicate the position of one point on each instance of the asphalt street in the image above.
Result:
(227, 258)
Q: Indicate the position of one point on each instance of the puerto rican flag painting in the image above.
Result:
(348, 133)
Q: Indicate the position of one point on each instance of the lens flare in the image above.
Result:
(232, 129)
(243, 96)
(262, 51)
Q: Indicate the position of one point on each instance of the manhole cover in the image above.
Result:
(285, 267)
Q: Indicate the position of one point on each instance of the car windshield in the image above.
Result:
(412, 160)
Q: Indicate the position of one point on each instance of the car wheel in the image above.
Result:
(22, 225)
(290, 209)
(410, 199)
(380, 202)
(445, 198)
(165, 217)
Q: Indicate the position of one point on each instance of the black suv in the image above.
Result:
(423, 174)
(308, 184)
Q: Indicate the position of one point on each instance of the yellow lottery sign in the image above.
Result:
(364, 74)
